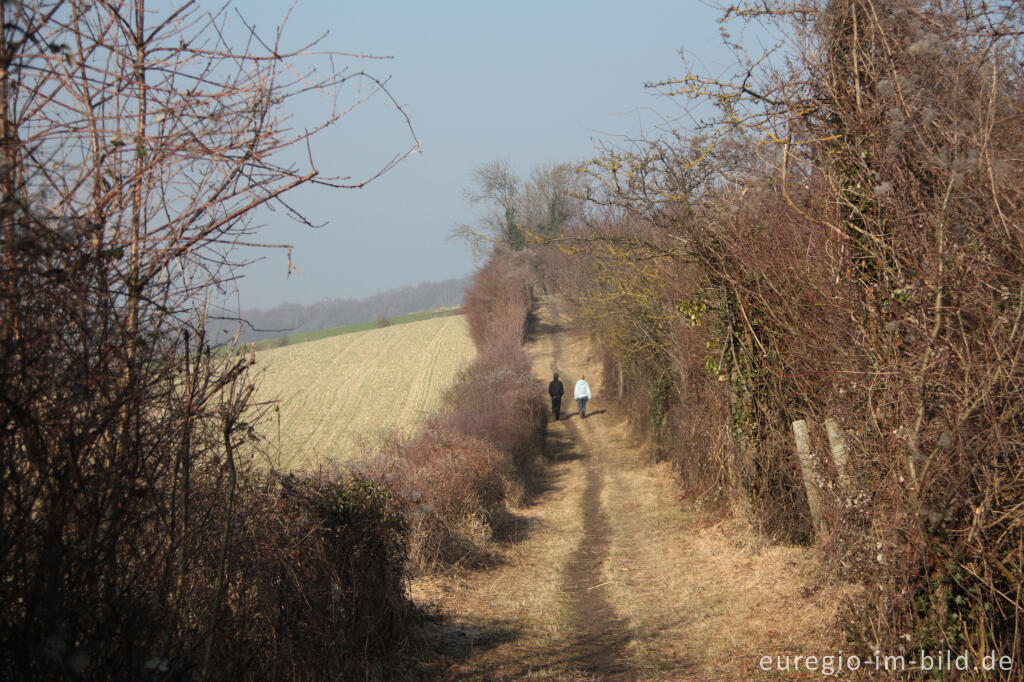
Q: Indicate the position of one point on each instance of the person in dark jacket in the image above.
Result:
(556, 390)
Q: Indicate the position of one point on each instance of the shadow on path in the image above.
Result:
(539, 329)
(599, 643)
(595, 643)
(600, 640)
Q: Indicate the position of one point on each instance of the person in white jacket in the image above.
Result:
(582, 394)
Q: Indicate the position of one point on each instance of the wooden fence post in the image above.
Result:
(837, 444)
(803, 451)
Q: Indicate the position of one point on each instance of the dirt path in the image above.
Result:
(607, 575)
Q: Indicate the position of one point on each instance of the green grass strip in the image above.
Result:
(350, 329)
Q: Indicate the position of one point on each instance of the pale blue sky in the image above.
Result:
(528, 82)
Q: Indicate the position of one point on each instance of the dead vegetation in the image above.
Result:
(480, 453)
(137, 539)
(657, 590)
(842, 242)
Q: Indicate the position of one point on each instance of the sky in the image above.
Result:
(527, 82)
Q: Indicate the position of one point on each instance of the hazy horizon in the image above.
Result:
(329, 298)
(531, 84)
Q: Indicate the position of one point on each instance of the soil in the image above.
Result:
(606, 574)
(601, 637)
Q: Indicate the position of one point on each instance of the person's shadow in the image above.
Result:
(577, 414)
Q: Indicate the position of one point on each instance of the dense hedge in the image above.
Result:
(843, 242)
(459, 472)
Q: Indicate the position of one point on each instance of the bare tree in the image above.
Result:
(515, 212)
(551, 200)
(497, 187)
(135, 144)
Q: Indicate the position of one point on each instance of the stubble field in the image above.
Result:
(336, 396)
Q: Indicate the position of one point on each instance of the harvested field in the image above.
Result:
(338, 395)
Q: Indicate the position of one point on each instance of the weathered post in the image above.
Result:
(837, 444)
(803, 451)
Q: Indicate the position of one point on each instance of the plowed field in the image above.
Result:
(337, 395)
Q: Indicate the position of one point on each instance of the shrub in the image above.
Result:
(316, 582)
(454, 489)
(136, 538)
(498, 302)
(497, 400)
(846, 244)
(457, 474)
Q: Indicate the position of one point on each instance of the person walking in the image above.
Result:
(582, 394)
(556, 390)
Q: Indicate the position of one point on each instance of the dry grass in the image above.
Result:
(512, 621)
(708, 597)
(703, 597)
(700, 598)
(337, 394)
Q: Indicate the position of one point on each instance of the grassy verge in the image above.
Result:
(293, 339)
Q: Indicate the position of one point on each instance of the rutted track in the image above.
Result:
(601, 637)
(606, 575)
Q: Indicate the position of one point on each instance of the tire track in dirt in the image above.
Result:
(600, 642)
(611, 576)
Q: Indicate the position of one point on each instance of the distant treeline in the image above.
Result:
(292, 318)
